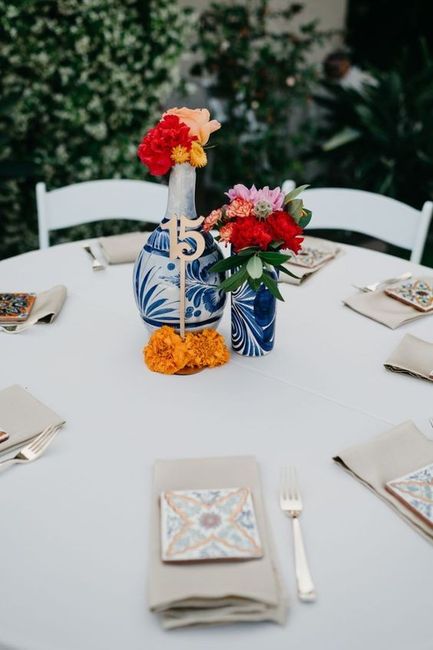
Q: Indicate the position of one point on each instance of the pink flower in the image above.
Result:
(212, 219)
(275, 197)
(240, 191)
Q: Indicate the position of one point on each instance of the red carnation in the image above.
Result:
(248, 231)
(155, 148)
(282, 227)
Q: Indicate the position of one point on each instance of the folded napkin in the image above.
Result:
(384, 309)
(303, 272)
(204, 593)
(47, 307)
(389, 456)
(120, 249)
(22, 416)
(412, 356)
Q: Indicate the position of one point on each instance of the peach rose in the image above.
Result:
(198, 120)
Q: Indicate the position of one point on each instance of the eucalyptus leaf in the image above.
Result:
(295, 208)
(294, 193)
(305, 219)
(255, 267)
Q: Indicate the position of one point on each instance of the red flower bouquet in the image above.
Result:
(178, 137)
(258, 224)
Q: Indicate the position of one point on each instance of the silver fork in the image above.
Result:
(34, 449)
(375, 285)
(96, 264)
(291, 505)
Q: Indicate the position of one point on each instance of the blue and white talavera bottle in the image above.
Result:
(253, 320)
(156, 278)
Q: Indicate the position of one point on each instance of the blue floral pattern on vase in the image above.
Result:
(156, 278)
(253, 320)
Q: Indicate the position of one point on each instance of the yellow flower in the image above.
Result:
(206, 349)
(179, 154)
(165, 352)
(197, 156)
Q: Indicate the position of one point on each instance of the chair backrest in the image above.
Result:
(372, 214)
(98, 200)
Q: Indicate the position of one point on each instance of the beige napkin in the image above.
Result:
(388, 456)
(120, 249)
(47, 307)
(22, 416)
(412, 356)
(384, 309)
(302, 272)
(203, 593)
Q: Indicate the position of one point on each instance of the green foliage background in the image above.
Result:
(81, 81)
(260, 69)
(380, 138)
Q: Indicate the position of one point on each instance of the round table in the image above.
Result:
(73, 558)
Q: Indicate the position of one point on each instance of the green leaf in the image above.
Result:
(305, 219)
(294, 193)
(226, 264)
(234, 281)
(251, 250)
(254, 284)
(272, 286)
(274, 258)
(341, 138)
(295, 208)
(287, 272)
(255, 267)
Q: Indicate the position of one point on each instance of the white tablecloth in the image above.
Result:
(74, 525)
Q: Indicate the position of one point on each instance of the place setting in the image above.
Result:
(212, 556)
(315, 254)
(397, 466)
(395, 301)
(20, 311)
(27, 427)
(115, 249)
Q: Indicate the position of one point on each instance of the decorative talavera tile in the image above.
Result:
(417, 293)
(208, 525)
(311, 257)
(415, 490)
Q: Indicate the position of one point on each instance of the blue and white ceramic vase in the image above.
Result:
(253, 320)
(156, 277)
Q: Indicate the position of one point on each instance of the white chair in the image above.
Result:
(98, 200)
(372, 214)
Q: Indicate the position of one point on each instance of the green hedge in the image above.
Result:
(81, 81)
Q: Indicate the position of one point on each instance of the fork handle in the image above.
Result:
(7, 463)
(306, 591)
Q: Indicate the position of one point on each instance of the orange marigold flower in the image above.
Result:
(206, 349)
(165, 351)
(197, 155)
(179, 154)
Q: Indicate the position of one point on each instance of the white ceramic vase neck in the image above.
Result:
(181, 192)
